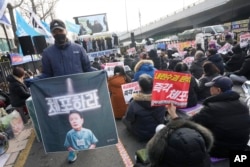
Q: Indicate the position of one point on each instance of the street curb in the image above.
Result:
(22, 157)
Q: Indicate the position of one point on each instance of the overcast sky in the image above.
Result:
(117, 10)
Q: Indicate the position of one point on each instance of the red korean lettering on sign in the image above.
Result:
(170, 87)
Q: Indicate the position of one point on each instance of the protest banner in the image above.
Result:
(128, 89)
(244, 39)
(109, 67)
(170, 87)
(87, 93)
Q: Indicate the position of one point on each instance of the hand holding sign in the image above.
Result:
(172, 110)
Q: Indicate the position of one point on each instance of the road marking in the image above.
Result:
(124, 154)
(22, 157)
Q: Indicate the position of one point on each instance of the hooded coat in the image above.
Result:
(144, 67)
(218, 61)
(116, 94)
(182, 143)
(235, 62)
(229, 121)
(141, 119)
(18, 92)
(196, 68)
(245, 68)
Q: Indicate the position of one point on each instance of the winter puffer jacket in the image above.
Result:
(70, 58)
(141, 119)
(144, 67)
(229, 121)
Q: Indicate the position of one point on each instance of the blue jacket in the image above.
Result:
(70, 58)
(144, 67)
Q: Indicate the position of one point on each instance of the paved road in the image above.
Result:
(119, 155)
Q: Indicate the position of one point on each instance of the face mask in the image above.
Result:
(60, 38)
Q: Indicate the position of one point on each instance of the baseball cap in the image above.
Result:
(56, 23)
(222, 82)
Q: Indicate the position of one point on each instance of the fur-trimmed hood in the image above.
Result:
(142, 96)
(180, 143)
(149, 63)
(143, 99)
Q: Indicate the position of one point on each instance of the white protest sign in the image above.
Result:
(244, 39)
(149, 47)
(109, 67)
(128, 90)
(131, 51)
(127, 68)
(225, 49)
(188, 60)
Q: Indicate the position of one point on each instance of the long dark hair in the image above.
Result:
(210, 68)
(181, 67)
(121, 71)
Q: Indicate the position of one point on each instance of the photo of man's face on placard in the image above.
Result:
(73, 111)
(92, 23)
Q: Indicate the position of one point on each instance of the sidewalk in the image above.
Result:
(19, 148)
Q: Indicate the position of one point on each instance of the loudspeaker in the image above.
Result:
(132, 35)
(40, 43)
(116, 40)
(26, 45)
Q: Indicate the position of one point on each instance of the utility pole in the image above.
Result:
(140, 23)
(126, 14)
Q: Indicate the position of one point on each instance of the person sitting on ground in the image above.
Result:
(236, 60)
(196, 66)
(243, 74)
(164, 60)
(182, 143)
(199, 47)
(18, 92)
(193, 88)
(136, 59)
(176, 58)
(144, 66)
(155, 58)
(210, 71)
(225, 116)
(128, 61)
(96, 64)
(141, 118)
(114, 85)
(215, 58)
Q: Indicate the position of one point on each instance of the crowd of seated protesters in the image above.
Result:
(224, 117)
